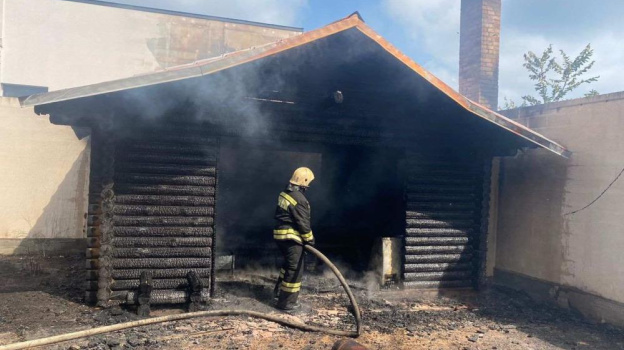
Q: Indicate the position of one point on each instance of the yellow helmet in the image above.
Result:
(302, 177)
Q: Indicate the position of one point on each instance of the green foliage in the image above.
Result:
(555, 78)
(592, 93)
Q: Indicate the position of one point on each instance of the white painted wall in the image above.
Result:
(44, 171)
(535, 237)
(62, 44)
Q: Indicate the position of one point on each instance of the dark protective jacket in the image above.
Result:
(292, 217)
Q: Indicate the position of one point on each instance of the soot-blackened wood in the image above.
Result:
(156, 263)
(157, 283)
(437, 223)
(438, 276)
(140, 242)
(481, 264)
(143, 232)
(165, 191)
(438, 249)
(178, 169)
(437, 258)
(438, 232)
(132, 274)
(107, 204)
(438, 267)
(174, 190)
(202, 160)
(168, 148)
(436, 240)
(165, 200)
(167, 252)
(160, 221)
(214, 215)
(195, 289)
(443, 220)
(145, 210)
(162, 296)
(94, 208)
(147, 179)
(439, 284)
(144, 294)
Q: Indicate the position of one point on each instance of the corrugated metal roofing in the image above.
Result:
(211, 66)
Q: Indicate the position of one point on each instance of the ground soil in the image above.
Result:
(40, 297)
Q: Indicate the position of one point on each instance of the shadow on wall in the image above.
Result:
(531, 229)
(60, 227)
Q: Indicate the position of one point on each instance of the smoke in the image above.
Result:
(356, 193)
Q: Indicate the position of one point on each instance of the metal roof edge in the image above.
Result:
(184, 14)
(471, 106)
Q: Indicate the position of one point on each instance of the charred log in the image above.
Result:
(173, 190)
(157, 158)
(159, 273)
(436, 240)
(195, 290)
(438, 284)
(437, 258)
(165, 179)
(440, 215)
(160, 263)
(144, 294)
(107, 204)
(165, 200)
(168, 283)
(165, 297)
(144, 210)
(438, 232)
(160, 221)
(182, 231)
(145, 242)
(165, 169)
(439, 223)
(168, 148)
(438, 276)
(441, 249)
(162, 252)
(437, 267)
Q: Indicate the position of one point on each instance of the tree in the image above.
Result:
(554, 80)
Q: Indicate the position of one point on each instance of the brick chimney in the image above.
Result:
(479, 43)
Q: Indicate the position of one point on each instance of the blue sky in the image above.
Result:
(428, 30)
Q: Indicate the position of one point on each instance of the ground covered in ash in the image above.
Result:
(42, 296)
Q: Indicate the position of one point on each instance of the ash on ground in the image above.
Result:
(46, 301)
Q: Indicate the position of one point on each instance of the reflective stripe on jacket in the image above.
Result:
(293, 217)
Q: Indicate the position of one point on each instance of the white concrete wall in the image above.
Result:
(584, 251)
(62, 44)
(44, 171)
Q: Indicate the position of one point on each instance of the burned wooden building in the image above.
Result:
(188, 161)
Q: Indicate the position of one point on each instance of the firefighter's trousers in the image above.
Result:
(292, 271)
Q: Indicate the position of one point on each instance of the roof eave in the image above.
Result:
(211, 66)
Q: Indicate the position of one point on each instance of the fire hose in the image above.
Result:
(229, 312)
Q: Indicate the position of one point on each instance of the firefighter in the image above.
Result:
(292, 230)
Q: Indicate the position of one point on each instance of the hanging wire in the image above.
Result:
(597, 198)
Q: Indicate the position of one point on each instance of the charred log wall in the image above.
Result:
(155, 213)
(447, 205)
(100, 165)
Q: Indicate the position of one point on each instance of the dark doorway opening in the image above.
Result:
(356, 198)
